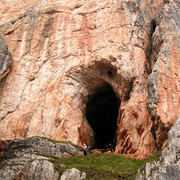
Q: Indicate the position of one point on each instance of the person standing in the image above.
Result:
(87, 149)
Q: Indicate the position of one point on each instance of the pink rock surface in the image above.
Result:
(63, 51)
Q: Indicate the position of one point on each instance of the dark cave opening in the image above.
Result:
(102, 113)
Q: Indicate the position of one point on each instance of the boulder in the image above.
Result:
(38, 169)
(33, 145)
(73, 174)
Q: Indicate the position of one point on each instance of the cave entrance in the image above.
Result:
(102, 113)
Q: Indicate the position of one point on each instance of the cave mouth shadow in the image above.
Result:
(102, 111)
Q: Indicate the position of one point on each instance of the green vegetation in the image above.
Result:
(155, 156)
(1, 165)
(15, 164)
(101, 166)
(47, 155)
(104, 166)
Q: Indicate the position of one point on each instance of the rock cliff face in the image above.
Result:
(71, 58)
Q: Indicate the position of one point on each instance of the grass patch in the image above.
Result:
(154, 157)
(14, 164)
(46, 155)
(104, 166)
(1, 165)
(101, 166)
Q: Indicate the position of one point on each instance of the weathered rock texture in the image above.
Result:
(34, 169)
(64, 51)
(73, 174)
(29, 158)
(38, 169)
(169, 165)
(3, 144)
(19, 147)
(5, 60)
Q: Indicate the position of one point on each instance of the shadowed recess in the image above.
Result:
(102, 113)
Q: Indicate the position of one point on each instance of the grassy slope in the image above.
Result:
(1, 165)
(104, 166)
(101, 166)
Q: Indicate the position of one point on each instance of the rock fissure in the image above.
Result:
(150, 56)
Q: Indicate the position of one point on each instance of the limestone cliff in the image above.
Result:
(68, 55)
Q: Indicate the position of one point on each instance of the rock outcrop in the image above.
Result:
(164, 80)
(3, 144)
(19, 147)
(5, 60)
(38, 169)
(30, 158)
(34, 169)
(65, 53)
(74, 174)
(169, 165)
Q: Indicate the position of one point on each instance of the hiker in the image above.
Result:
(110, 147)
(87, 149)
